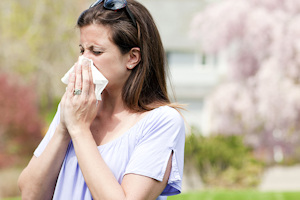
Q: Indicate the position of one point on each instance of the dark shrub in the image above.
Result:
(20, 123)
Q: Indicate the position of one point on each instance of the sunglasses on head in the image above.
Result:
(116, 5)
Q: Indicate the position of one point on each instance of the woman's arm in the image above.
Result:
(79, 112)
(102, 183)
(38, 179)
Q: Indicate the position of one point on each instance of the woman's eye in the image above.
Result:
(97, 52)
(81, 51)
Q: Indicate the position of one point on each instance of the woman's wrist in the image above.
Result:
(76, 133)
(63, 131)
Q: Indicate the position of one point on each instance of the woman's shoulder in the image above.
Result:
(163, 117)
(166, 113)
(163, 126)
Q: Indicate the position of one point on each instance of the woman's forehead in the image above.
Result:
(96, 34)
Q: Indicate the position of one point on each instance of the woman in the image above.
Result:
(130, 145)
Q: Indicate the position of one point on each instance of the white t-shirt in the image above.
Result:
(144, 149)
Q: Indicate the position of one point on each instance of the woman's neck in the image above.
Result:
(111, 104)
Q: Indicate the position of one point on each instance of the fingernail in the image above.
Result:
(86, 62)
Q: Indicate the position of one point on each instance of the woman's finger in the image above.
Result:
(86, 79)
(78, 77)
(71, 84)
(92, 85)
(92, 88)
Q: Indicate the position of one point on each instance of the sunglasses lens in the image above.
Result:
(115, 4)
(96, 3)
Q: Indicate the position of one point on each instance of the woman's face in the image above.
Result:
(95, 43)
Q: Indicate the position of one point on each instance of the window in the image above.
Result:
(191, 60)
(182, 59)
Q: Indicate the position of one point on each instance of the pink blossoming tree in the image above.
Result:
(260, 97)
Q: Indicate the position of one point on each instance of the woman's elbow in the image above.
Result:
(32, 189)
(23, 185)
(21, 182)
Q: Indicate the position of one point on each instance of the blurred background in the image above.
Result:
(234, 63)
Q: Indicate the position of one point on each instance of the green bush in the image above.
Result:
(223, 161)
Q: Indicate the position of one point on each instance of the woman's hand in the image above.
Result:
(79, 111)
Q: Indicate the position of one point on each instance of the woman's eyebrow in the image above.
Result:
(90, 46)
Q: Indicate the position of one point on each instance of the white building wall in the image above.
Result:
(173, 19)
(192, 80)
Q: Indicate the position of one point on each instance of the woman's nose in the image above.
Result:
(87, 54)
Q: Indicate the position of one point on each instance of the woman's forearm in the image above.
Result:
(38, 179)
(102, 183)
(99, 178)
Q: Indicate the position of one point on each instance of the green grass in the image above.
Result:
(229, 195)
(237, 195)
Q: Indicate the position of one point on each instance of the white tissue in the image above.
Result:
(98, 79)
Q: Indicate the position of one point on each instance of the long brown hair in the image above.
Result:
(146, 87)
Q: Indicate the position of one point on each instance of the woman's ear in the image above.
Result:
(134, 57)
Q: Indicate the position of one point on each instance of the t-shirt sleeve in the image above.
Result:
(39, 150)
(163, 133)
